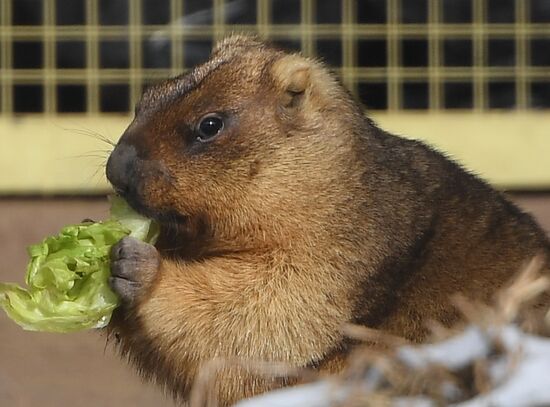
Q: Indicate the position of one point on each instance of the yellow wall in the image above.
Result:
(59, 154)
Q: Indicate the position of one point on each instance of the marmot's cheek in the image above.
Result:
(156, 195)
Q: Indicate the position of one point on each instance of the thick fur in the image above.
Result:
(300, 216)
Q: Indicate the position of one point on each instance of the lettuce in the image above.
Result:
(67, 276)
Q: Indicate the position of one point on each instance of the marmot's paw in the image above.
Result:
(133, 267)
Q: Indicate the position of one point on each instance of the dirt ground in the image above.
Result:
(51, 370)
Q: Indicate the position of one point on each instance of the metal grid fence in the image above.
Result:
(95, 56)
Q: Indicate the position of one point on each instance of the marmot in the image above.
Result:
(286, 212)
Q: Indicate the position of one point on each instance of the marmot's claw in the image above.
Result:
(133, 267)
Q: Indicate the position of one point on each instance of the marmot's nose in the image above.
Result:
(121, 167)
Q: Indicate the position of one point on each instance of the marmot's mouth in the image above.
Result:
(162, 215)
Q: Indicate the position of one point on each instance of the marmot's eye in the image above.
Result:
(209, 127)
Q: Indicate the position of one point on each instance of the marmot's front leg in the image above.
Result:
(134, 265)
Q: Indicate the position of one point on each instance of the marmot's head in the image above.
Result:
(237, 136)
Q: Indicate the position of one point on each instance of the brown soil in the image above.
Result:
(52, 370)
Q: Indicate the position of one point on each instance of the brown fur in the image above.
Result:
(300, 216)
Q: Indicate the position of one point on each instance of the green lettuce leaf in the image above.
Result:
(67, 275)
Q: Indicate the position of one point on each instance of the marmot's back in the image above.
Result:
(462, 236)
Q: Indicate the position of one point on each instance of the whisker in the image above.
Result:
(95, 134)
(83, 156)
(101, 151)
(90, 133)
(103, 154)
(95, 174)
(98, 167)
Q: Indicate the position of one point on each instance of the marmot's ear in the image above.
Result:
(292, 74)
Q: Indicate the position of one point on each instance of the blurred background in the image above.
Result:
(471, 77)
